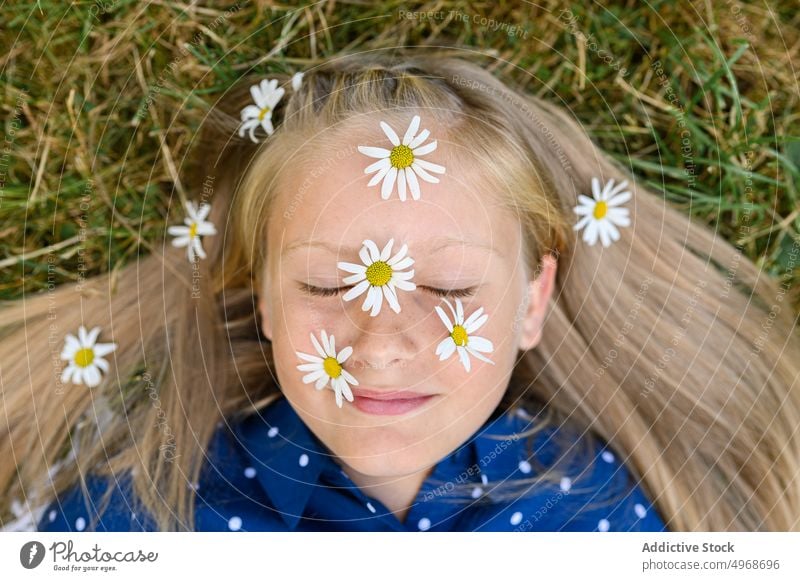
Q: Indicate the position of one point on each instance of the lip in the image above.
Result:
(389, 403)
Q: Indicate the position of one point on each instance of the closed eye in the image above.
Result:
(331, 291)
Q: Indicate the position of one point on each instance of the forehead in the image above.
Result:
(324, 197)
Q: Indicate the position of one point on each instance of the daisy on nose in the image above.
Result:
(379, 276)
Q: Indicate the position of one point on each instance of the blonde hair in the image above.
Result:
(668, 344)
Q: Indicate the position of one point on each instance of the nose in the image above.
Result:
(386, 344)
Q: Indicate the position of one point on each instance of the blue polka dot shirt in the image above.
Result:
(269, 472)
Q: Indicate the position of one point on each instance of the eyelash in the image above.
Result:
(329, 292)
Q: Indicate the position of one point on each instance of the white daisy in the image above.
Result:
(601, 215)
(379, 276)
(266, 95)
(461, 338)
(402, 164)
(297, 80)
(196, 226)
(328, 367)
(85, 357)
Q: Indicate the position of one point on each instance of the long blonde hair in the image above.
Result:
(669, 344)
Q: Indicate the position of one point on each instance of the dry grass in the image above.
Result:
(102, 101)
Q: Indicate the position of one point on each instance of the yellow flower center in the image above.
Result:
(459, 335)
(84, 357)
(401, 156)
(600, 209)
(379, 273)
(332, 367)
(263, 113)
(193, 230)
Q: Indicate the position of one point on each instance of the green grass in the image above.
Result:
(83, 74)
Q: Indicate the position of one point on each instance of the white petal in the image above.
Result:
(413, 183)
(315, 376)
(425, 149)
(419, 139)
(472, 318)
(619, 199)
(391, 298)
(307, 357)
(378, 152)
(443, 317)
(480, 344)
(352, 267)
(590, 233)
(377, 301)
(381, 164)
(462, 354)
(91, 376)
(434, 167)
(446, 348)
(411, 131)
(420, 171)
(374, 253)
(477, 355)
(101, 349)
(388, 183)
(387, 251)
(322, 381)
(390, 134)
(349, 378)
(380, 175)
(356, 290)
(309, 367)
(317, 346)
(344, 354)
(476, 324)
(401, 184)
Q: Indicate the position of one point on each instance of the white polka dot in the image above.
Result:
(303, 460)
(484, 479)
(566, 483)
(133, 515)
(603, 525)
(80, 523)
(525, 467)
(194, 485)
(51, 516)
(273, 431)
(608, 456)
(250, 472)
(516, 518)
(477, 491)
(641, 512)
(234, 523)
(424, 524)
(371, 508)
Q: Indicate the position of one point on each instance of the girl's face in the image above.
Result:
(460, 240)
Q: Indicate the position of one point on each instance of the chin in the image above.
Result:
(378, 452)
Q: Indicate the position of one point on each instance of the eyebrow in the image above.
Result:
(435, 244)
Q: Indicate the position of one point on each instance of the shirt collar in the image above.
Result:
(289, 458)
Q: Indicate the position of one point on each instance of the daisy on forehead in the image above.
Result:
(404, 162)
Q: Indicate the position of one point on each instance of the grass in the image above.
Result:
(101, 102)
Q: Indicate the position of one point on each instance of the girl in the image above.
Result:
(415, 299)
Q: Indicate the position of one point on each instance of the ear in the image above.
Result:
(538, 293)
